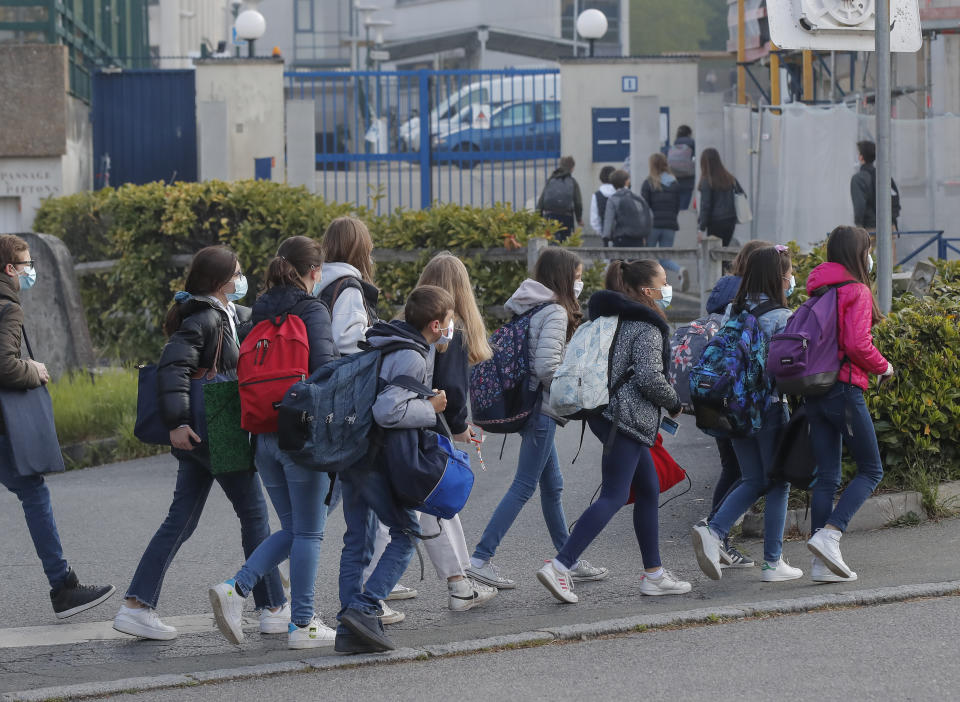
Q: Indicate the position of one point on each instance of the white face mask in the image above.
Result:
(667, 296)
(577, 287)
(869, 263)
(446, 336)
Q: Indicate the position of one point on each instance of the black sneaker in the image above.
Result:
(348, 642)
(72, 597)
(368, 628)
(739, 560)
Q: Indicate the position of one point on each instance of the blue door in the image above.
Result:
(144, 126)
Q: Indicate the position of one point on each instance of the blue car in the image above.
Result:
(516, 131)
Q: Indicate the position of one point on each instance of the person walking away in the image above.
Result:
(718, 211)
(661, 192)
(767, 282)
(367, 494)
(681, 158)
(598, 203)
(628, 220)
(349, 291)
(841, 416)
(202, 327)
(67, 595)
(637, 293)
(551, 296)
(721, 296)
(561, 200)
(297, 493)
(863, 192)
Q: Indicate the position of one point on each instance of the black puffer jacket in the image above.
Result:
(281, 300)
(451, 373)
(194, 346)
(716, 206)
(664, 202)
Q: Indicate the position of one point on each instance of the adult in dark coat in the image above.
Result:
(67, 595)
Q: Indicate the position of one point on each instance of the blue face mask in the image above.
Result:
(27, 278)
(240, 289)
(793, 285)
(317, 287)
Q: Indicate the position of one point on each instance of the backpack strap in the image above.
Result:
(764, 307)
(820, 292)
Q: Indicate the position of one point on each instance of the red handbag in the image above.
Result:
(669, 471)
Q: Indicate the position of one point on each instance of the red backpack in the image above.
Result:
(275, 355)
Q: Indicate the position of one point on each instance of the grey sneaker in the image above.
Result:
(584, 572)
(489, 574)
(735, 559)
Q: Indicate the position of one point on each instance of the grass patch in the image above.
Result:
(910, 519)
(102, 404)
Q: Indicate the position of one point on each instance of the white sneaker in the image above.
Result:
(314, 635)
(401, 592)
(489, 574)
(228, 611)
(466, 594)
(706, 546)
(584, 572)
(142, 622)
(390, 615)
(779, 571)
(825, 544)
(666, 584)
(819, 573)
(559, 584)
(275, 622)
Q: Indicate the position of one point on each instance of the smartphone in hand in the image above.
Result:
(669, 426)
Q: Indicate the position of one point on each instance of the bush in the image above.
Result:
(144, 225)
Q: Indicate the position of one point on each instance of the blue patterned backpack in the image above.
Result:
(729, 387)
(502, 398)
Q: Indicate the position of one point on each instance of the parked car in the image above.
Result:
(493, 91)
(515, 131)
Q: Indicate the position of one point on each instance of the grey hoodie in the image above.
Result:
(395, 407)
(548, 335)
(349, 320)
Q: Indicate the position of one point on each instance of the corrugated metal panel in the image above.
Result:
(144, 126)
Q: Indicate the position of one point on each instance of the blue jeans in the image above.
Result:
(628, 463)
(189, 496)
(664, 239)
(537, 464)
(298, 495)
(755, 455)
(367, 497)
(841, 417)
(684, 197)
(34, 497)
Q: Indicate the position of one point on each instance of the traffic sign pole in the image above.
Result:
(883, 165)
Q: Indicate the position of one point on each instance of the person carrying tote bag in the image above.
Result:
(27, 414)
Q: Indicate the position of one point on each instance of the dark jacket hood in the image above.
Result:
(384, 333)
(607, 303)
(278, 300)
(561, 173)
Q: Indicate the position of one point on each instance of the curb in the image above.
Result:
(531, 638)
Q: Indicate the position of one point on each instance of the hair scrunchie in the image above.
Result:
(181, 296)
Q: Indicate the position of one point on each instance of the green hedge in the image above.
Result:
(143, 226)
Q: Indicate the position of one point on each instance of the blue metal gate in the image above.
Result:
(490, 136)
(144, 126)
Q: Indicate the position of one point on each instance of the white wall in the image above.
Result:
(590, 83)
(253, 93)
(78, 160)
(179, 27)
(30, 180)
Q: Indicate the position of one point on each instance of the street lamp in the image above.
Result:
(591, 25)
(377, 26)
(364, 14)
(250, 26)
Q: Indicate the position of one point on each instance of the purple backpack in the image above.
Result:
(805, 357)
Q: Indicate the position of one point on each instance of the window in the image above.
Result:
(513, 116)
(551, 111)
(23, 14)
(303, 19)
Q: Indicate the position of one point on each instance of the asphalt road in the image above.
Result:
(903, 651)
(107, 515)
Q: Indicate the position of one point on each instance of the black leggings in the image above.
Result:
(723, 230)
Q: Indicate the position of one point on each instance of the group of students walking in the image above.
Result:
(329, 286)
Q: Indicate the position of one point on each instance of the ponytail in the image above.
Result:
(211, 268)
(633, 279)
(296, 257)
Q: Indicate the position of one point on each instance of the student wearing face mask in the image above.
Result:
(637, 293)
(768, 281)
(203, 328)
(67, 595)
(297, 493)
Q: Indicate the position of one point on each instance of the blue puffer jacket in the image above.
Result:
(316, 318)
(723, 293)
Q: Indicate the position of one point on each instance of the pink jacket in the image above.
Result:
(854, 309)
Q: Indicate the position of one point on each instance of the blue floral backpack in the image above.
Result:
(729, 387)
(502, 398)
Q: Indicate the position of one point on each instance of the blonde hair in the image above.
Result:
(658, 166)
(448, 272)
(347, 240)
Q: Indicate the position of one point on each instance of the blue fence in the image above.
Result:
(944, 245)
(412, 138)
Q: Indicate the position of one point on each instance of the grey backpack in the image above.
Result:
(558, 195)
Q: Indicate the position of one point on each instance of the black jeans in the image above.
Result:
(567, 225)
(729, 476)
(723, 230)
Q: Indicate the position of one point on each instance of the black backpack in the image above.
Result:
(794, 461)
(558, 195)
(328, 296)
(601, 206)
